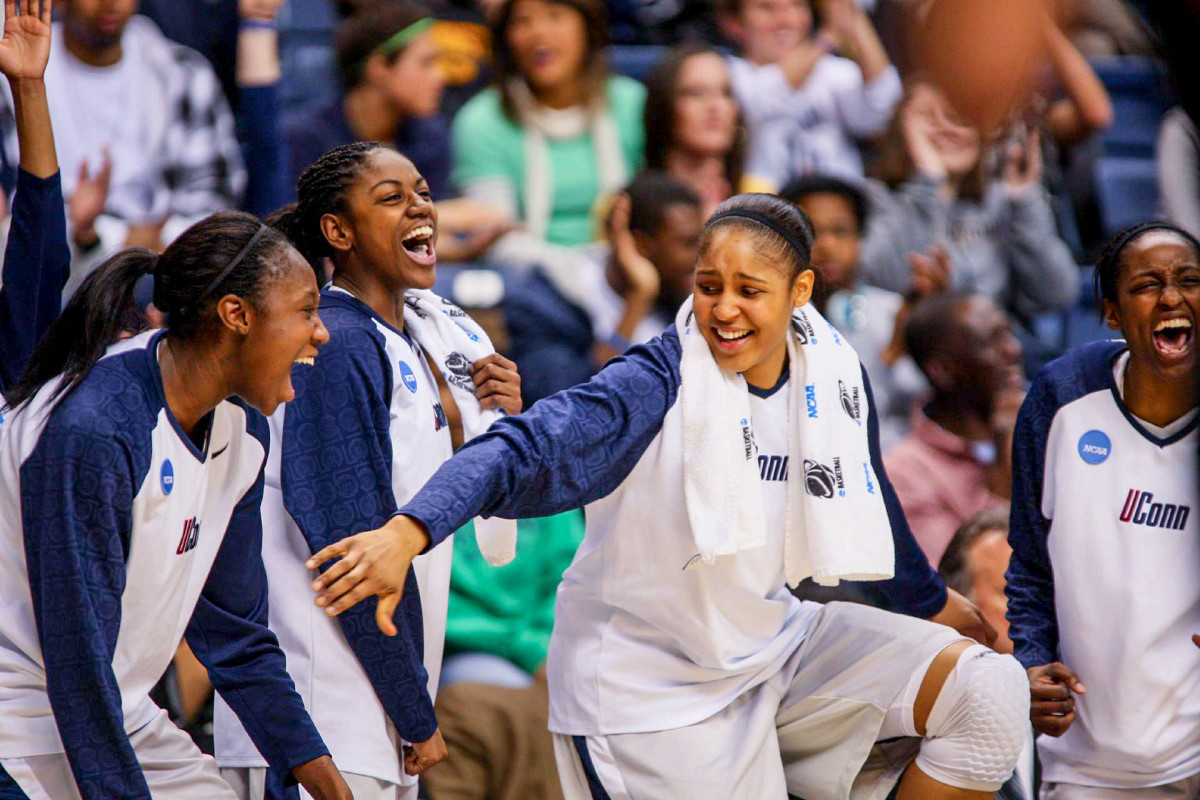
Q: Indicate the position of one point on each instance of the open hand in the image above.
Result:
(1052, 708)
(25, 47)
(371, 563)
(1023, 163)
(497, 383)
(423, 756)
(966, 618)
(87, 202)
(930, 271)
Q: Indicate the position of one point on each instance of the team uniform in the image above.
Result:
(365, 431)
(1105, 542)
(118, 538)
(672, 677)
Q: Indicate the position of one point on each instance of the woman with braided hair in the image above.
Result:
(366, 430)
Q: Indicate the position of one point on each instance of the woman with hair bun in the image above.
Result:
(733, 456)
(129, 519)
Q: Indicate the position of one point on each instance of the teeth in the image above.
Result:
(1173, 323)
(423, 232)
(731, 336)
(306, 360)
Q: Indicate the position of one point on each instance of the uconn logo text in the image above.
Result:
(1140, 509)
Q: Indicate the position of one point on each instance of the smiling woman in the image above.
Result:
(129, 518)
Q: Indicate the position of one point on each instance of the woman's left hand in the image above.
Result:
(497, 383)
(966, 618)
(1023, 165)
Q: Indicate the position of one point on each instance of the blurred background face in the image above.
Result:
(957, 143)
(983, 355)
(987, 562)
(769, 29)
(836, 246)
(548, 42)
(98, 23)
(673, 250)
(413, 81)
(705, 109)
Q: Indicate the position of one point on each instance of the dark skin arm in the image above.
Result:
(497, 383)
(1052, 708)
(24, 51)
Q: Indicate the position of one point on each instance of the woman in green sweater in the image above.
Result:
(556, 136)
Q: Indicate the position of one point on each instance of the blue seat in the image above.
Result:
(1141, 94)
(1126, 192)
(634, 60)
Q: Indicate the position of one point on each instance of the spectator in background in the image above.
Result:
(1178, 155)
(974, 564)
(1000, 234)
(699, 136)
(1104, 28)
(556, 134)
(871, 319)
(956, 460)
(805, 105)
(631, 290)
(118, 86)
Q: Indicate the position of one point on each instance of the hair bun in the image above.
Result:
(162, 288)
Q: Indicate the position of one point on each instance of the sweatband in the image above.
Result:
(788, 236)
(402, 38)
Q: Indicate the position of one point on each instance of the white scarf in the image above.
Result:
(456, 342)
(540, 125)
(837, 527)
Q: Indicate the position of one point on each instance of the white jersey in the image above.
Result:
(365, 432)
(118, 534)
(1106, 541)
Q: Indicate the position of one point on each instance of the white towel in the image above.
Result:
(456, 342)
(837, 526)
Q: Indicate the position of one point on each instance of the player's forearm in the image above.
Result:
(35, 137)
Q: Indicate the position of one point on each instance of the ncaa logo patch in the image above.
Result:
(1095, 447)
(166, 476)
(409, 377)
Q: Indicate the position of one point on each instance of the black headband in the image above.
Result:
(233, 263)
(1137, 230)
(763, 219)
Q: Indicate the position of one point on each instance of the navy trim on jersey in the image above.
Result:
(579, 445)
(589, 769)
(1032, 613)
(779, 384)
(336, 475)
(151, 357)
(1135, 423)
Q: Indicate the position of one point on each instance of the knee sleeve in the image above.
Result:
(979, 723)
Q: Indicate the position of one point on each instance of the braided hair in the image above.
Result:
(322, 190)
(1108, 267)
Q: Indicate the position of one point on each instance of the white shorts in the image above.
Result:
(249, 783)
(834, 723)
(174, 767)
(1185, 789)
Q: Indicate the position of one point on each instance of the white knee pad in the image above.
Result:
(979, 723)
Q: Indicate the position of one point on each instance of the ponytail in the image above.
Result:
(226, 253)
(100, 312)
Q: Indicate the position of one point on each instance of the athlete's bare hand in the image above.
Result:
(497, 383)
(321, 779)
(25, 46)
(371, 563)
(966, 618)
(1052, 708)
(421, 757)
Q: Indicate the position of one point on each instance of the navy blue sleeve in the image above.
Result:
(77, 489)
(337, 481)
(570, 449)
(229, 635)
(37, 263)
(264, 149)
(1033, 621)
(917, 589)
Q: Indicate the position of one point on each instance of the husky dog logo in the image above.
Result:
(412, 303)
(850, 402)
(458, 371)
(819, 479)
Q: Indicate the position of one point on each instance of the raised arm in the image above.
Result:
(570, 449)
(229, 635)
(77, 507)
(259, 108)
(37, 259)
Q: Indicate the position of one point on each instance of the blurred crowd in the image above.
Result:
(575, 148)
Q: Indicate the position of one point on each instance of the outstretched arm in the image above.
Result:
(37, 260)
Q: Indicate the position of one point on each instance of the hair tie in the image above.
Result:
(788, 236)
(401, 39)
(232, 264)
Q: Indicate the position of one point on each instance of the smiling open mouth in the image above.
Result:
(731, 336)
(1173, 336)
(419, 242)
(307, 361)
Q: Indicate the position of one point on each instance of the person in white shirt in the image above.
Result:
(1102, 596)
(683, 674)
(806, 106)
